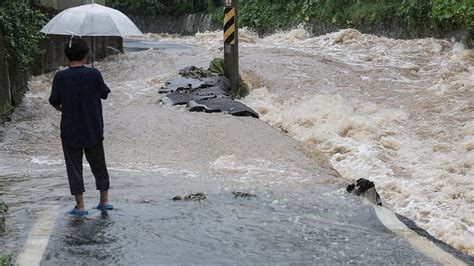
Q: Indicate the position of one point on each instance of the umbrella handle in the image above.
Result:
(92, 50)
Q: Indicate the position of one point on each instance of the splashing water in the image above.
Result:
(398, 112)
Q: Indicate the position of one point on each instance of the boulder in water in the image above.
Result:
(366, 188)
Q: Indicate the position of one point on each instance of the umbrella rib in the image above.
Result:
(82, 25)
(113, 23)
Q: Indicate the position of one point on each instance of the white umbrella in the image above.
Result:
(91, 20)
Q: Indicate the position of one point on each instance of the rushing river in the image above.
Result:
(397, 112)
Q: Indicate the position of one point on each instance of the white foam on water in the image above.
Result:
(257, 171)
(420, 153)
(44, 160)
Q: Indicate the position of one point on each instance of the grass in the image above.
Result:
(4, 260)
(218, 66)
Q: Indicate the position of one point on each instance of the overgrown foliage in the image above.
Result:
(21, 27)
(266, 16)
(217, 66)
(438, 15)
(451, 15)
(4, 260)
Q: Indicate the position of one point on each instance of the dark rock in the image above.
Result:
(367, 188)
(350, 188)
(362, 185)
(243, 195)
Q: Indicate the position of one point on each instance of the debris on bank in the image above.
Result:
(243, 195)
(366, 188)
(191, 197)
(203, 91)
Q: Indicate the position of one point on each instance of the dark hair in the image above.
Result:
(76, 49)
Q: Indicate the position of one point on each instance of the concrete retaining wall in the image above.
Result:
(183, 24)
(53, 47)
(14, 82)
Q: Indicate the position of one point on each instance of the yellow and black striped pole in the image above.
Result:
(229, 25)
(231, 43)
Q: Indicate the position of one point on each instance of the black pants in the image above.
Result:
(96, 158)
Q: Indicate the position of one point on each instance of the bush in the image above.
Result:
(5, 260)
(217, 66)
(452, 15)
(21, 27)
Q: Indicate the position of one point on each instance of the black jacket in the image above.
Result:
(78, 91)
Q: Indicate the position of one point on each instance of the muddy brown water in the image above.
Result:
(373, 105)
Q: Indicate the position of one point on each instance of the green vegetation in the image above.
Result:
(4, 260)
(438, 15)
(242, 91)
(20, 25)
(450, 15)
(265, 16)
(218, 66)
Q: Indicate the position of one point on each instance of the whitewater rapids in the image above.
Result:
(398, 112)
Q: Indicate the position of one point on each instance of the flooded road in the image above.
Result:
(371, 104)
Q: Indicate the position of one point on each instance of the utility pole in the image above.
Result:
(231, 43)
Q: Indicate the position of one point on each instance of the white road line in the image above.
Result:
(425, 246)
(38, 238)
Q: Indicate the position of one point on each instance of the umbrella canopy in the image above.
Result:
(91, 20)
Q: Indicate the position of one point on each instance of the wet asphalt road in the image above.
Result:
(318, 227)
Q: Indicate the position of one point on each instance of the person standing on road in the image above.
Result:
(78, 92)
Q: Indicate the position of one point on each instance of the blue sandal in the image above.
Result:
(106, 207)
(77, 213)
